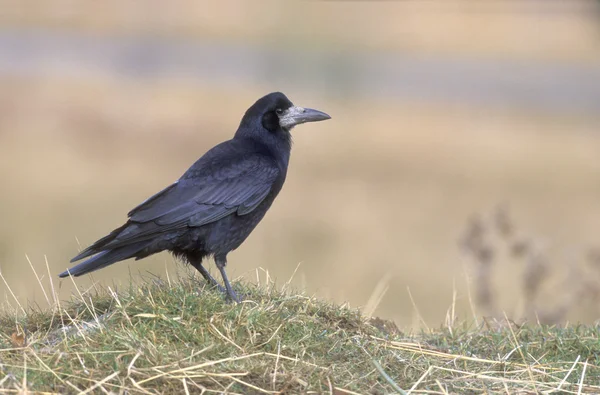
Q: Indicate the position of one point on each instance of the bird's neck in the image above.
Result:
(281, 151)
(283, 147)
(277, 146)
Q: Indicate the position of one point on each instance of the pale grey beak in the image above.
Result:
(296, 115)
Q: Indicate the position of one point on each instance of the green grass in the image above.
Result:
(181, 337)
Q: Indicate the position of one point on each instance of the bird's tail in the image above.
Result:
(105, 258)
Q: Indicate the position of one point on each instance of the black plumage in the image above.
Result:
(217, 202)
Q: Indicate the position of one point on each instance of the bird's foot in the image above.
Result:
(233, 297)
(229, 296)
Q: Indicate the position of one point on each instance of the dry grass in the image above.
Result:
(178, 337)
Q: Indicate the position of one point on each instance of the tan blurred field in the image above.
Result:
(384, 188)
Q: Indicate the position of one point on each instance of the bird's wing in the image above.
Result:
(208, 191)
(214, 191)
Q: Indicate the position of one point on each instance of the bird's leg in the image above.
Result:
(221, 261)
(197, 264)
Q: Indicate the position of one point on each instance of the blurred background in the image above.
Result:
(451, 121)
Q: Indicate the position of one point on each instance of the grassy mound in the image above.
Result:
(184, 338)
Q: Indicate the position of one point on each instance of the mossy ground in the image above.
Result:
(182, 337)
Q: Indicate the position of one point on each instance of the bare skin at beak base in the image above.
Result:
(297, 115)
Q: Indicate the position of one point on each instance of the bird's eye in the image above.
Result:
(279, 111)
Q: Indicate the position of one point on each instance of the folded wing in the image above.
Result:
(198, 198)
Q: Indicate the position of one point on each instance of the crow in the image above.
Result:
(217, 202)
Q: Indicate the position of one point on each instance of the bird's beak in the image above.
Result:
(296, 115)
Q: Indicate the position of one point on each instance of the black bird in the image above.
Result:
(217, 202)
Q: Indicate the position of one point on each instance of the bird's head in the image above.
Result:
(275, 115)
